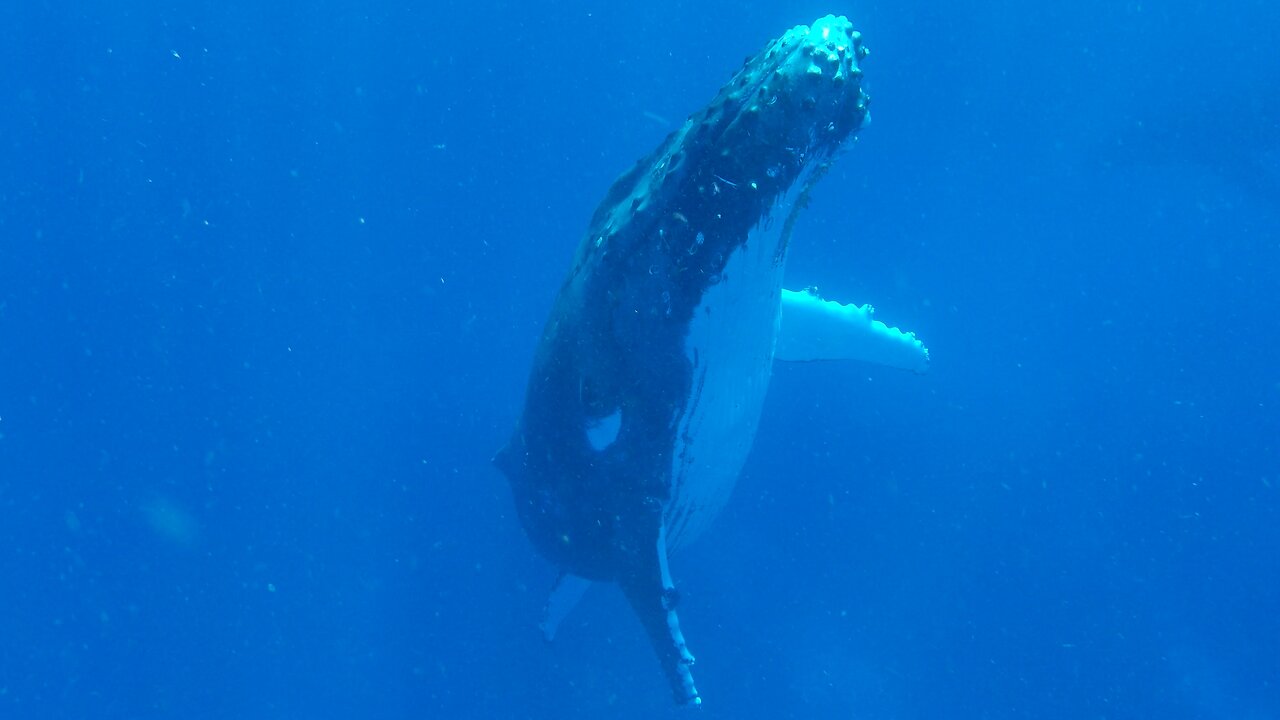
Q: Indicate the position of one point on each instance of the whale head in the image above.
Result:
(796, 102)
(806, 86)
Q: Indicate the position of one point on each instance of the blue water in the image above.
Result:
(271, 276)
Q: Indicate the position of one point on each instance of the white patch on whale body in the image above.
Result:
(602, 432)
(730, 346)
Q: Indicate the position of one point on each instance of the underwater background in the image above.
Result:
(272, 274)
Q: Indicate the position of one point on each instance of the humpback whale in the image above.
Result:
(648, 382)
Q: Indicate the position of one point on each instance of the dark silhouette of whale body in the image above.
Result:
(649, 380)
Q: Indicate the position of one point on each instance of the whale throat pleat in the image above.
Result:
(730, 346)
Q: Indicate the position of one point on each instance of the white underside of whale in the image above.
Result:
(730, 350)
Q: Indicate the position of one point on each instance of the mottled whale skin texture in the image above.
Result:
(649, 379)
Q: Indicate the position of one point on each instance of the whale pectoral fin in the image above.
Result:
(653, 597)
(564, 596)
(815, 329)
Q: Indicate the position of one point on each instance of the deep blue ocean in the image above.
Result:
(272, 276)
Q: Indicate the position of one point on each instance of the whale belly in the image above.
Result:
(729, 347)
